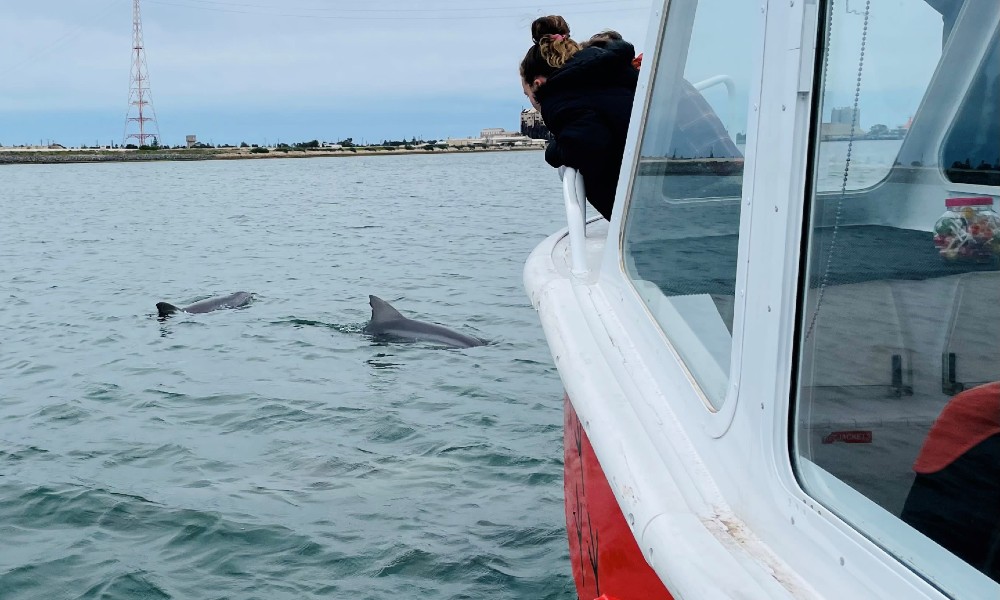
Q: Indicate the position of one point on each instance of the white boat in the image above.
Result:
(773, 368)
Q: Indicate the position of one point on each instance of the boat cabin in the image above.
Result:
(781, 355)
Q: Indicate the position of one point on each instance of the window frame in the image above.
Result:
(721, 417)
(940, 568)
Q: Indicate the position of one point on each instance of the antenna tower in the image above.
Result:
(140, 121)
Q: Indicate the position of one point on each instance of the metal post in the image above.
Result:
(575, 199)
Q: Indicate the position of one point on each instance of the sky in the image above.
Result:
(902, 45)
(269, 71)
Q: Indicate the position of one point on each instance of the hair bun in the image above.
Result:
(549, 25)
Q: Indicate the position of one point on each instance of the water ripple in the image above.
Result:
(277, 452)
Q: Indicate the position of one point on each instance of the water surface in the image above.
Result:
(275, 451)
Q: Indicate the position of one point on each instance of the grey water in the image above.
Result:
(870, 161)
(275, 451)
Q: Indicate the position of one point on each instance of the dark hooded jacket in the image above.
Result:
(586, 105)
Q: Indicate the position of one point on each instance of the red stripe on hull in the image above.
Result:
(605, 556)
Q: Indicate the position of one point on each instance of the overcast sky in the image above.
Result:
(269, 70)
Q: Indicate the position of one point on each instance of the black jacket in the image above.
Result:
(586, 105)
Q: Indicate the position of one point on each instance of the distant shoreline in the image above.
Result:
(10, 156)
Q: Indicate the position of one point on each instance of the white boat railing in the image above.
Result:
(727, 81)
(575, 199)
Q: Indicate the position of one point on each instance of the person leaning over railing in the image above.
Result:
(585, 98)
(698, 130)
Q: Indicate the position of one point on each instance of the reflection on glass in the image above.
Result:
(682, 224)
(897, 423)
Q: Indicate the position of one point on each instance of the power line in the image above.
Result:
(464, 8)
(50, 46)
(384, 14)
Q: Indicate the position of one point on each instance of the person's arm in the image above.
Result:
(583, 142)
(553, 155)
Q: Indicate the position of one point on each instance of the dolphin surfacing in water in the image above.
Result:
(388, 322)
(235, 300)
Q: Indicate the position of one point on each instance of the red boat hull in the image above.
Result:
(606, 559)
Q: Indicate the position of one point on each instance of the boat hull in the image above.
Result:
(604, 554)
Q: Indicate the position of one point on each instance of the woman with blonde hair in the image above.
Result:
(584, 95)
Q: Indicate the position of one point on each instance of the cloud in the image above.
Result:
(277, 57)
(216, 51)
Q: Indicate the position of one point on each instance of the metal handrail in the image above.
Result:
(727, 81)
(575, 199)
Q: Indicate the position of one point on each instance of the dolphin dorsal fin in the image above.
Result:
(382, 311)
(165, 309)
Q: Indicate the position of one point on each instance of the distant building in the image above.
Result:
(903, 129)
(846, 115)
(498, 136)
(533, 126)
(842, 120)
(467, 142)
(191, 140)
(494, 137)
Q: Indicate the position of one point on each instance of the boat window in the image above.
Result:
(682, 223)
(897, 411)
(873, 129)
(972, 149)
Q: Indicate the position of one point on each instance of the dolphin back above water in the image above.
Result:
(235, 300)
(388, 322)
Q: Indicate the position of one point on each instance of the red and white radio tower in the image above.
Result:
(140, 101)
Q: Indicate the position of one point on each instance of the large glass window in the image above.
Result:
(897, 414)
(682, 224)
(972, 149)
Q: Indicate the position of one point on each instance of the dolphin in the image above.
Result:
(236, 300)
(388, 322)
